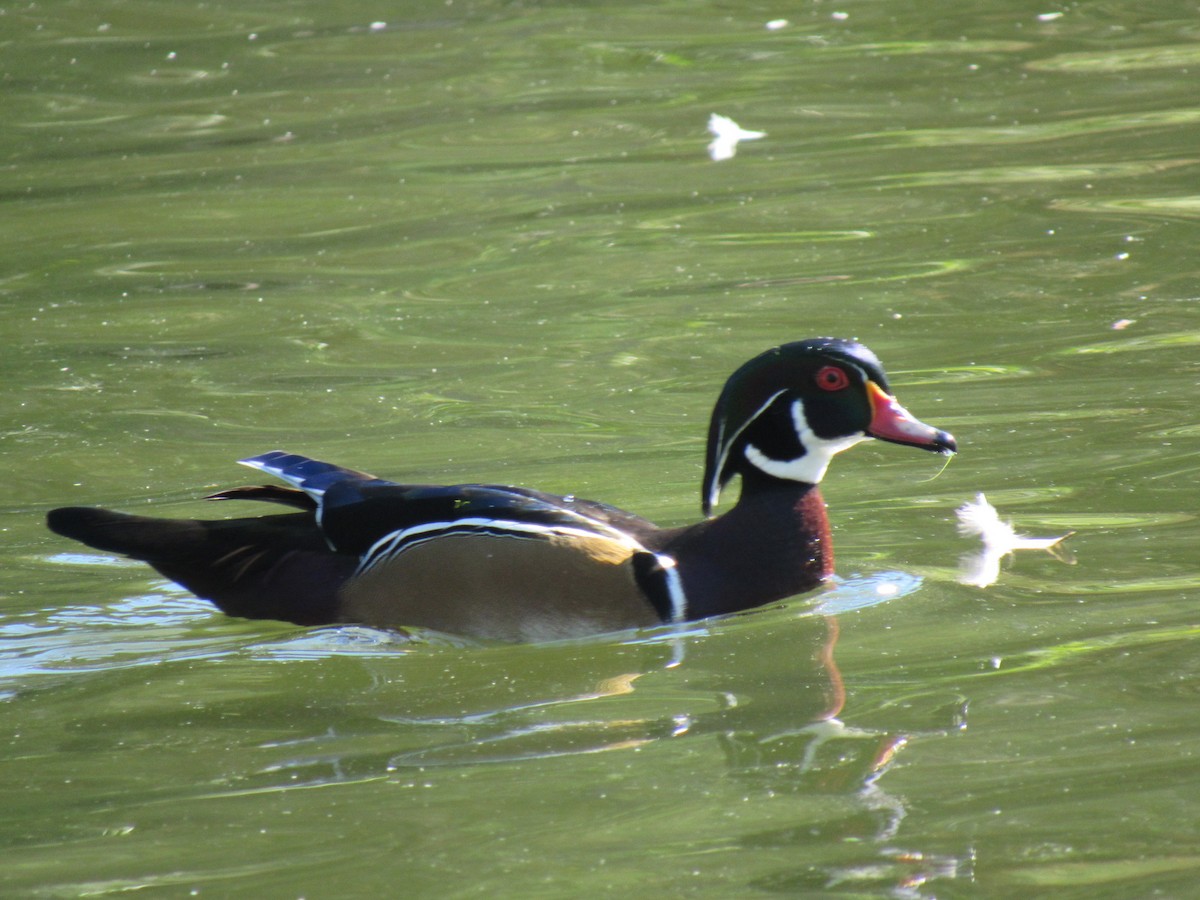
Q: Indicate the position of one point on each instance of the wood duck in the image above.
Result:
(515, 564)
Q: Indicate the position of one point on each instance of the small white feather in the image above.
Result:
(727, 133)
(978, 518)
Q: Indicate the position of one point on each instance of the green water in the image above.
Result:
(484, 241)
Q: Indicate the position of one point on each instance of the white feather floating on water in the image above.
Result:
(727, 133)
(978, 518)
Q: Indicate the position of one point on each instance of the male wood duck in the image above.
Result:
(515, 564)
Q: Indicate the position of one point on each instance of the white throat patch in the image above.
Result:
(810, 467)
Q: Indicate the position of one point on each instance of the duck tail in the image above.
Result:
(267, 567)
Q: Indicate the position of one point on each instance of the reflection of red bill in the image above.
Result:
(892, 422)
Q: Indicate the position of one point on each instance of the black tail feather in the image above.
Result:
(268, 567)
(271, 493)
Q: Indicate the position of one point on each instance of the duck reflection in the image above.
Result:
(594, 696)
(773, 714)
(747, 706)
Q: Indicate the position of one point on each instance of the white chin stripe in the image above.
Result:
(810, 467)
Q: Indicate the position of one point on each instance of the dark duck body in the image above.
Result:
(515, 564)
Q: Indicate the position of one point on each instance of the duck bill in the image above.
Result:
(892, 422)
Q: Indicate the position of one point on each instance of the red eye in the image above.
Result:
(831, 378)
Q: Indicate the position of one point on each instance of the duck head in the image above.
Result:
(783, 415)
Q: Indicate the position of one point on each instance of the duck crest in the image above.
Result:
(511, 563)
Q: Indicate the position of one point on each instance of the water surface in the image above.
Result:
(484, 241)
